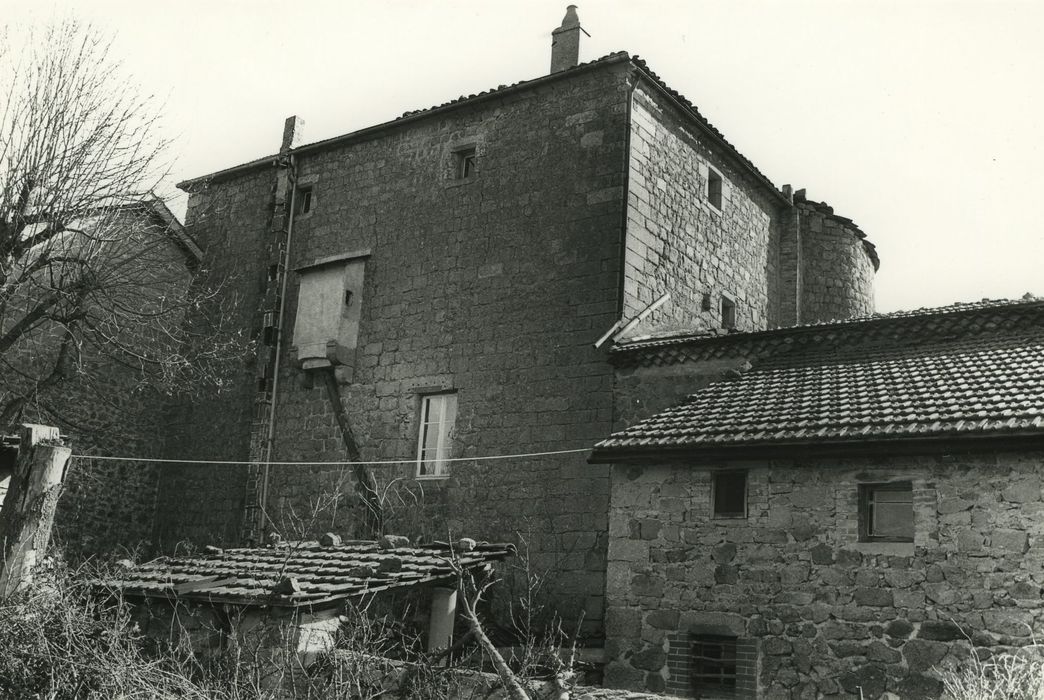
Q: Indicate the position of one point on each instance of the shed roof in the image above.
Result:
(301, 574)
(971, 371)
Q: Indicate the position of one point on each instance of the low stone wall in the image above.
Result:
(822, 613)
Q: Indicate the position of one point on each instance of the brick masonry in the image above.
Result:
(827, 612)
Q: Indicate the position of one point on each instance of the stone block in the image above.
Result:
(940, 631)
(822, 554)
(724, 553)
(622, 622)
(868, 681)
(1009, 540)
(921, 655)
(1012, 624)
(649, 659)
(900, 629)
(876, 597)
(663, 619)
(647, 585)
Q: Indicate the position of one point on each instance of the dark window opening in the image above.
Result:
(886, 512)
(730, 494)
(303, 201)
(728, 312)
(714, 665)
(467, 160)
(714, 189)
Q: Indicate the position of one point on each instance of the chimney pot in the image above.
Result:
(565, 42)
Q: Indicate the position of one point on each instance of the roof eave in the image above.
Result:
(369, 131)
(738, 157)
(932, 444)
(620, 351)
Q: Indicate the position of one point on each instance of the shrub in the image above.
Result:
(58, 640)
(1011, 676)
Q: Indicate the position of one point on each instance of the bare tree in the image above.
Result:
(93, 268)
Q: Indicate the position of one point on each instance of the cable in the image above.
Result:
(331, 464)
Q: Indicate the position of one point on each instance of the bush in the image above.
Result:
(1012, 676)
(59, 640)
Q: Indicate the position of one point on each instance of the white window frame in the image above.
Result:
(437, 468)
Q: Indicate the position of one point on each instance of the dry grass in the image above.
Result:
(1012, 676)
(58, 641)
(61, 640)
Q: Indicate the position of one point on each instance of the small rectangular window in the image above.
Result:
(466, 162)
(303, 200)
(730, 494)
(714, 671)
(714, 189)
(886, 512)
(437, 418)
(728, 312)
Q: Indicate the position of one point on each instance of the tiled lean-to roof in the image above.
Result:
(299, 574)
(968, 371)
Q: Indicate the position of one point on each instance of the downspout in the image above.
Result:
(270, 438)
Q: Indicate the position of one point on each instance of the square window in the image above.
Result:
(303, 200)
(714, 189)
(714, 667)
(466, 161)
(438, 415)
(886, 512)
(730, 494)
(728, 312)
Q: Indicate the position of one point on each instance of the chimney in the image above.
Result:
(565, 42)
(293, 133)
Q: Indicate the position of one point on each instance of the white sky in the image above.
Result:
(918, 119)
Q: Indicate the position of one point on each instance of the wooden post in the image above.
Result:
(27, 514)
(440, 624)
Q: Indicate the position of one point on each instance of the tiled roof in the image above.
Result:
(643, 350)
(956, 380)
(298, 574)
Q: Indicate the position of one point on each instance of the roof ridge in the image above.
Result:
(673, 338)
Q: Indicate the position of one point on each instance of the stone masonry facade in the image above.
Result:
(678, 241)
(826, 613)
(588, 199)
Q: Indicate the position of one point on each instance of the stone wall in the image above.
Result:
(104, 405)
(827, 614)
(837, 271)
(203, 504)
(494, 286)
(678, 241)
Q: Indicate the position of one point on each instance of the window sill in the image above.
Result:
(895, 549)
(458, 181)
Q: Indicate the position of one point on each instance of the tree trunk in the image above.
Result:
(27, 514)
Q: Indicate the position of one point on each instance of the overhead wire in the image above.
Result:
(388, 462)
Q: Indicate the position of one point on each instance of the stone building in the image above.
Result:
(444, 277)
(139, 256)
(831, 510)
